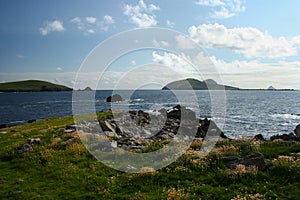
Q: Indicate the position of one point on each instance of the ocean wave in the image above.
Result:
(286, 116)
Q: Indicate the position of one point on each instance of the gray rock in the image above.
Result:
(3, 132)
(69, 141)
(34, 141)
(255, 159)
(69, 131)
(23, 148)
(297, 130)
(114, 98)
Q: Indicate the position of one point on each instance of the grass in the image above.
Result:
(55, 171)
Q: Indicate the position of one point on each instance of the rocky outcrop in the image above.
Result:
(134, 129)
(256, 159)
(114, 98)
(286, 137)
(23, 148)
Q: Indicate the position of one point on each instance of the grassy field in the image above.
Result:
(55, 171)
(31, 86)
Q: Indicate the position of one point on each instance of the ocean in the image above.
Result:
(247, 112)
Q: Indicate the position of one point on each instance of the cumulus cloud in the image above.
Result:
(59, 68)
(107, 22)
(52, 26)
(141, 14)
(91, 20)
(90, 25)
(247, 40)
(184, 42)
(108, 19)
(223, 8)
(170, 23)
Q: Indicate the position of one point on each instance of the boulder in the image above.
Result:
(286, 137)
(259, 137)
(69, 141)
(31, 121)
(23, 148)
(3, 125)
(179, 111)
(297, 130)
(114, 98)
(107, 126)
(256, 159)
(34, 141)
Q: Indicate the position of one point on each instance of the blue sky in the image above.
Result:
(252, 43)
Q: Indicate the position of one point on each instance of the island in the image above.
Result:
(195, 84)
(32, 86)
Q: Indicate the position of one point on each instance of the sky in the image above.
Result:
(250, 43)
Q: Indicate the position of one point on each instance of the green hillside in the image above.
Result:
(60, 167)
(195, 84)
(31, 86)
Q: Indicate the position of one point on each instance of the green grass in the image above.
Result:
(54, 171)
(31, 86)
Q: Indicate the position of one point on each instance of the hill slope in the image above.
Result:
(195, 84)
(32, 86)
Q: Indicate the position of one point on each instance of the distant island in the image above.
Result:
(209, 84)
(32, 86)
(195, 84)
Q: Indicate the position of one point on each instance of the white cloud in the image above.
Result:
(91, 31)
(77, 21)
(133, 62)
(54, 26)
(90, 25)
(107, 22)
(91, 20)
(108, 19)
(184, 43)
(141, 14)
(223, 14)
(247, 40)
(59, 68)
(223, 8)
(170, 24)
(211, 3)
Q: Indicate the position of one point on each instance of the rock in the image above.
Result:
(114, 144)
(3, 125)
(286, 137)
(114, 98)
(69, 141)
(34, 141)
(255, 159)
(107, 126)
(259, 137)
(72, 127)
(179, 111)
(3, 132)
(205, 125)
(31, 121)
(69, 131)
(23, 148)
(297, 130)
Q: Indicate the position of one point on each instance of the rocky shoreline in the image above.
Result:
(136, 129)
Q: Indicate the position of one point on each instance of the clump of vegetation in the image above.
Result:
(56, 169)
